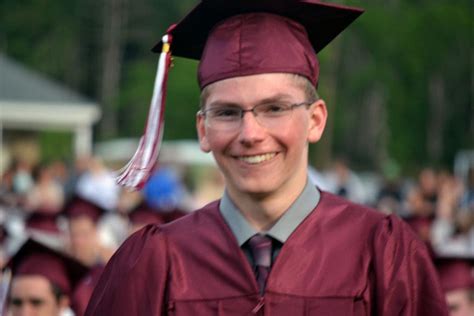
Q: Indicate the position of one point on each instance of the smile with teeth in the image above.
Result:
(257, 158)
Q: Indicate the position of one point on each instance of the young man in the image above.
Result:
(43, 280)
(84, 245)
(274, 244)
(457, 281)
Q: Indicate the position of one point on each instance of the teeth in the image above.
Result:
(258, 158)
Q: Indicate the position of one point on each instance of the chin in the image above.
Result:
(261, 186)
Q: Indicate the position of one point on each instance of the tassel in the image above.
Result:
(137, 171)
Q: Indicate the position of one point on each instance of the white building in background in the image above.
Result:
(31, 102)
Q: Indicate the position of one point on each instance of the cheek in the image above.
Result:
(298, 131)
(217, 141)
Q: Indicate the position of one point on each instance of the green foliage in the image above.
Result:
(56, 145)
(182, 100)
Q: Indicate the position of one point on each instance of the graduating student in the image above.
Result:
(84, 245)
(273, 244)
(43, 280)
(457, 281)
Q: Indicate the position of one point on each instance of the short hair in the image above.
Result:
(57, 292)
(310, 92)
(308, 88)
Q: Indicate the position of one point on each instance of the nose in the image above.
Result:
(250, 129)
(25, 310)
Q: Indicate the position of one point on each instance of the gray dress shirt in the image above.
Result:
(283, 227)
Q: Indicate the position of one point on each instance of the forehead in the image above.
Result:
(31, 285)
(81, 222)
(250, 90)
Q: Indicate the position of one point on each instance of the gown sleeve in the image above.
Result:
(406, 280)
(134, 281)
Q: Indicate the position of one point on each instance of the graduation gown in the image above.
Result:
(343, 259)
(83, 290)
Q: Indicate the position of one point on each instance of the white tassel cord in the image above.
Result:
(137, 171)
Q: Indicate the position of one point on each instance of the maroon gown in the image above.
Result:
(343, 259)
(83, 290)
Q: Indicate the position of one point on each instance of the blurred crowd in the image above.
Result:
(78, 212)
(438, 205)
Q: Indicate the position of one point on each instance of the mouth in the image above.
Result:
(256, 159)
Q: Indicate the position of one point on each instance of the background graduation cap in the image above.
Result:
(144, 214)
(43, 221)
(36, 258)
(78, 206)
(455, 272)
(254, 44)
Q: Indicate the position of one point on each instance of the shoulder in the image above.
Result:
(194, 222)
(378, 226)
(159, 237)
(334, 207)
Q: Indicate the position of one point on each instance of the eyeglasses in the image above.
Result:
(228, 118)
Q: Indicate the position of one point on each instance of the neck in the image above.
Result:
(262, 210)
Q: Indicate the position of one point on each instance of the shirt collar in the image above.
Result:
(284, 226)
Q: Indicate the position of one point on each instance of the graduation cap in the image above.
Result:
(78, 207)
(237, 38)
(36, 258)
(144, 214)
(455, 272)
(43, 221)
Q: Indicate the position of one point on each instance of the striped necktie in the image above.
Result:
(261, 248)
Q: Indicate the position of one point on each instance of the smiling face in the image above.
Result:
(261, 161)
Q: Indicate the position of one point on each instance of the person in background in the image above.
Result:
(97, 185)
(43, 279)
(84, 245)
(420, 204)
(141, 216)
(452, 231)
(457, 280)
(166, 193)
(22, 180)
(346, 183)
(144, 214)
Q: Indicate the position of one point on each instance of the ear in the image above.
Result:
(317, 121)
(202, 135)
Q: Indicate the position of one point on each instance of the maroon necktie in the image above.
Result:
(261, 247)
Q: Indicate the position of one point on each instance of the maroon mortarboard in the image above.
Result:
(43, 221)
(35, 258)
(455, 273)
(144, 214)
(78, 206)
(244, 37)
(238, 38)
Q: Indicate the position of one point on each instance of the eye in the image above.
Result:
(224, 113)
(36, 302)
(16, 302)
(272, 109)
